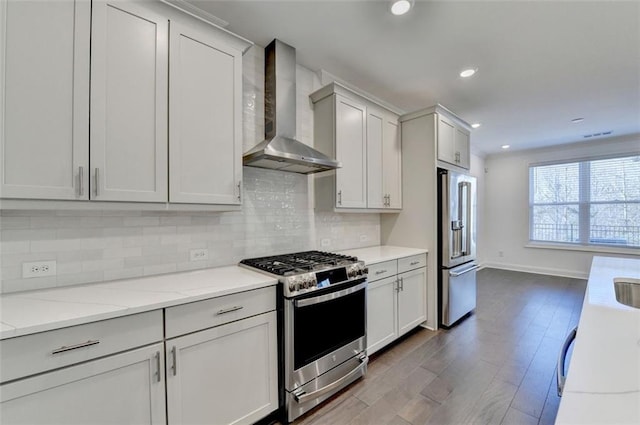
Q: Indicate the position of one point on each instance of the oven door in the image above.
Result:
(324, 331)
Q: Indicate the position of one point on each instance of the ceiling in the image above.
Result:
(540, 63)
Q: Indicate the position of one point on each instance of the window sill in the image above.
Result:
(587, 248)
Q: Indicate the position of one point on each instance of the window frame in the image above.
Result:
(583, 204)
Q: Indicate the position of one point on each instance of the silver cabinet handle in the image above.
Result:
(229, 310)
(80, 181)
(240, 190)
(301, 396)
(339, 197)
(397, 285)
(96, 178)
(66, 348)
(158, 376)
(380, 272)
(388, 200)
(174, 366)
(413, 263)
(402, 284)
(561, 377)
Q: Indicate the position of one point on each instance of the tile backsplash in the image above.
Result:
(277, 217)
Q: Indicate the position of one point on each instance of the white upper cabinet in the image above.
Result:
(165, 94)
(205, 121)
(453, 142)
(128, 103)
(44, 99)
(364, 137)
(351, 152)
(376, 194)
(392, 161)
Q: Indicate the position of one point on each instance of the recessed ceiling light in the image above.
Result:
(577, 120)
(505, 146)
(468, 72)
(400, 7)
(476, 125)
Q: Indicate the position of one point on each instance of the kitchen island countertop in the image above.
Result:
(24, 313)
(603, 379)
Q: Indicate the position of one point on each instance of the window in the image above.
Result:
(595, 202)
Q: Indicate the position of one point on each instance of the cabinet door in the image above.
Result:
(205, 119)
(44, 99)
(446, 140)
(126, 388)
(412, 300)
(351, 151)
(224, 375)
(128, 103)
(381, 313)
(392, 162)
(462, 148)
(375, 159)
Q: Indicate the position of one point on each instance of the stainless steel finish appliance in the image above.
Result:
(280, 150)
(324, 328)
(457, 246)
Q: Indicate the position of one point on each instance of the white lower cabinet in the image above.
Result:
(224, 375)
(412, 298)
(382, 313)
(396, 299)
(126, 388)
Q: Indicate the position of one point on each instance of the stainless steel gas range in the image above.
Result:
(324, 324)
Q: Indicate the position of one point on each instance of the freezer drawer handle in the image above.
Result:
(66, 348)
(301, 396)
(456, 274)
(561, 376)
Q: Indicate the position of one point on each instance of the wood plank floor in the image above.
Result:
(495, 367)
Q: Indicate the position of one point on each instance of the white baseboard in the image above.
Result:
(538, 270)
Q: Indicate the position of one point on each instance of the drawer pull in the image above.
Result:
(229, 310)
(380, 272)
(413, 263)
(65, 348)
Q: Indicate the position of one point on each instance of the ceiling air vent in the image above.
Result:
(604, 133)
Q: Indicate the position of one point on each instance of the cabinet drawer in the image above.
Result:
(381, 270)
(413, 262)
(31, 354)
(186, 318)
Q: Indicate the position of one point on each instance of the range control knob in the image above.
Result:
(293, 285)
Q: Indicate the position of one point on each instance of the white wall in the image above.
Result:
(94, 246)
(506, 209)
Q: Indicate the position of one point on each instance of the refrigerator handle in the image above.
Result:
(464, 213)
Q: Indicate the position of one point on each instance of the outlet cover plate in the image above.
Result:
(39, 269)
(199, 254)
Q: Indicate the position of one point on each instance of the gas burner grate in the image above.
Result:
(300, 262)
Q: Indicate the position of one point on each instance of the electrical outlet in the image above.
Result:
(500, 254)
(199, 254)
(325, 242)
(364, 238)
(39, 269)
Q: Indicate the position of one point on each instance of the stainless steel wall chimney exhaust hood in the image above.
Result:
(280, 150)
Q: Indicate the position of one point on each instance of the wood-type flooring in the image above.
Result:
(497, 366)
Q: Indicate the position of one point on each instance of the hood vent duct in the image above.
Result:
(280, 150)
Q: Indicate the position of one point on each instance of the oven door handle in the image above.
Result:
(328, 297)
(302, 397)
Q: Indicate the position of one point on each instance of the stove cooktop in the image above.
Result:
(303, 272)
(299, 262)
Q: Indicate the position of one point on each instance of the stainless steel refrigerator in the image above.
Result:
(456, 246)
